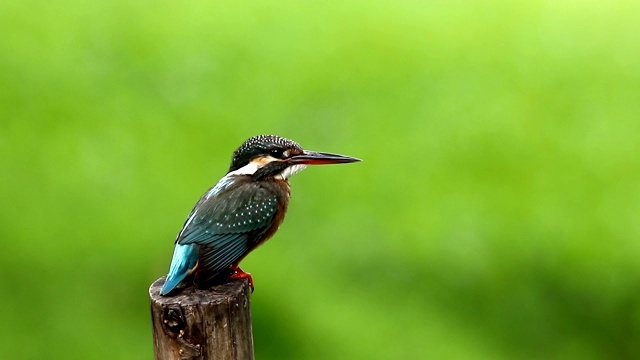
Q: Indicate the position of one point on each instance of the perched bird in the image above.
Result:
(241, 211)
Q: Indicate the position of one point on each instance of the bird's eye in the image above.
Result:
(279, 153)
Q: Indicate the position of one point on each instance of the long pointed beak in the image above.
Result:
(320, 158)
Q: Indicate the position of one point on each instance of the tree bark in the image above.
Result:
(208, 324)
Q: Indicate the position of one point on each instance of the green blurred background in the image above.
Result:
(496, 214)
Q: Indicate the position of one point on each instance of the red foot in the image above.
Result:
(239, 274)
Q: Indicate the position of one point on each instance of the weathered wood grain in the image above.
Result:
(208, 324)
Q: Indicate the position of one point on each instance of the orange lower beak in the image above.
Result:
(320, 158)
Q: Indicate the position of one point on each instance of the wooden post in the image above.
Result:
(202, 324)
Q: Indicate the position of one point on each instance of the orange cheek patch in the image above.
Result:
(263, 160)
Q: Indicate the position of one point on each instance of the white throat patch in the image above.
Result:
(259, 163)
(290, 171)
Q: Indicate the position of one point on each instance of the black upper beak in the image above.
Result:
(320, 158)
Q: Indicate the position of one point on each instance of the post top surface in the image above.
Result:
(192, 295)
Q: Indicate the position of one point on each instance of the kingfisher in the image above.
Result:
(241, 211)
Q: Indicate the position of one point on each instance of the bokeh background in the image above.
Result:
(496, 214)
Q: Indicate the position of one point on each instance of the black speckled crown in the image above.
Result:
(257, 146)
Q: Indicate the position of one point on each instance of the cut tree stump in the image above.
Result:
(207, 324)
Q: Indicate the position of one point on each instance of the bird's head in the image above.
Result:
(271, 156)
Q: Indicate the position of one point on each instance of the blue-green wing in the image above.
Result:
(227, 225)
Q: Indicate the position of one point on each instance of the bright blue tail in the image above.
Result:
(184, 259)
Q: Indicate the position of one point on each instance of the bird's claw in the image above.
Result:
(240, 274)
